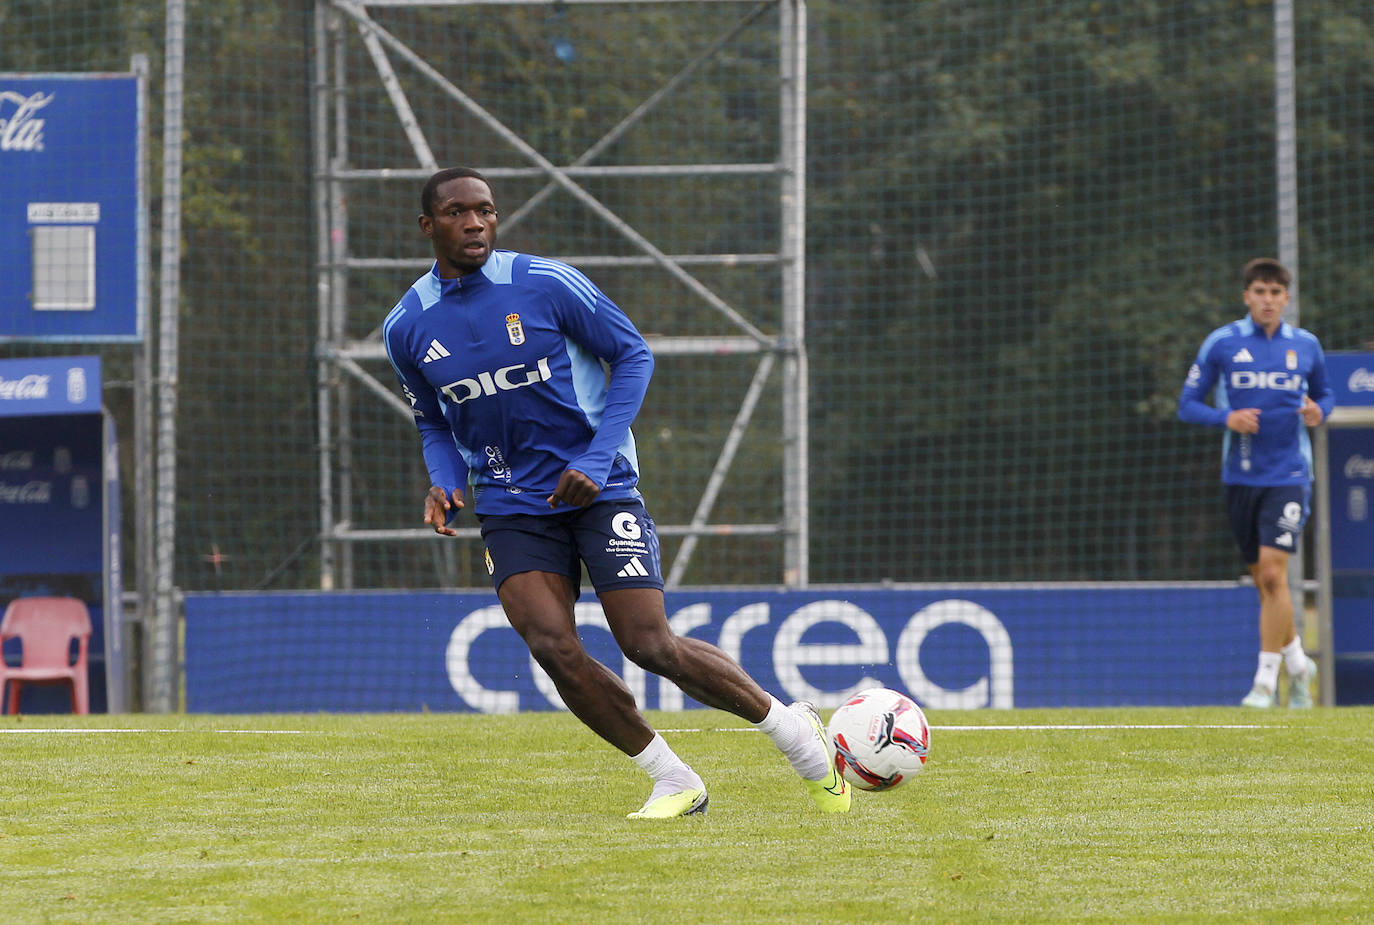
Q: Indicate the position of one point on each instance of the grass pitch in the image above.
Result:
(1197, 815)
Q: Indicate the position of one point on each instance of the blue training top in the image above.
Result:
(1252, 370)
(503, 370)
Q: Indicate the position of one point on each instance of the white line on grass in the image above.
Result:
(1049, 727)
(260, 732)
(1008, 728)
(1113, 726)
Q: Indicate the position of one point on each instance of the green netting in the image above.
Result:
(1021, 219)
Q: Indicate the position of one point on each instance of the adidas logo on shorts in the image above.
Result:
(634, 569)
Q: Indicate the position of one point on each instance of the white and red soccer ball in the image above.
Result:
(881, 739)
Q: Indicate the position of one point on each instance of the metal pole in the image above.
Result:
(1286, 154)
(143, 512)
(341, 444)
(327, 115)
(161, 682)
(796, 434)
(1321, 515)
(1286, 189)
(319, 117)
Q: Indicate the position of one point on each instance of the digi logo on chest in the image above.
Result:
(505, 379)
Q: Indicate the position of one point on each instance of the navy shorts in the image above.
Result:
(1267, 516)
(616, 540)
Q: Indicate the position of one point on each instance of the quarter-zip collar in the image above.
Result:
(468, 284)
(1251, 329)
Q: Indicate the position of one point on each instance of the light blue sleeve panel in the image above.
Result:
(1318, 383)
(1202, 380)
(446, 463)
(596, 331)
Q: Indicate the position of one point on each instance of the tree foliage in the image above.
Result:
(1022, 220)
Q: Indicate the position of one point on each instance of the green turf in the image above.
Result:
(518, 819)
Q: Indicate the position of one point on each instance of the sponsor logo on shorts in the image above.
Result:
(629, 542)
(626, 526)
(633, 569)
(1291, 520)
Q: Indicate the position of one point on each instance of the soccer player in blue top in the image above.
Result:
(1270, 380)
(501, 357)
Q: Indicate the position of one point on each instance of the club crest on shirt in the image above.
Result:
(1291, 359)
(514, 330)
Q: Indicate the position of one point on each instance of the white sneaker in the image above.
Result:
(1260, 697)
(1300, 687)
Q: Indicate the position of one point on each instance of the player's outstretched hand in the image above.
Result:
(574, 489)
(438, 504)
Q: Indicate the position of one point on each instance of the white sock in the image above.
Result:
(793, 736)
(1294, 658)
(1267, 675)
(669, 772)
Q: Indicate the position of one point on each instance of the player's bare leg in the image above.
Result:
(539, 605)
(705, 673)
(1278, 638)
(1278, 630)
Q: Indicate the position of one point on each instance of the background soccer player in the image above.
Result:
(500, 355)
(1270, 380)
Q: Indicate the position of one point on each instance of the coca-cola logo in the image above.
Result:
(32, 386)
(1361, 380)
(34, 492)
(1357, 467)
(19, 130)
(16, 459)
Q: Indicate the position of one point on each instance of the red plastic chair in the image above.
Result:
(46, 627)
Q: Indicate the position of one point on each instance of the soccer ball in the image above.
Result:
(881, 739)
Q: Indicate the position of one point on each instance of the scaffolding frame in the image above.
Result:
(341, 378)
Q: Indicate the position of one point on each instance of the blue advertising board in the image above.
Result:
(71, 207)
(49, 386)
(59, 514)
(961, 647)
(1350, 484)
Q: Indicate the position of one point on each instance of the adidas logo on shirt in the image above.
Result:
(1242, 357)
(436, 351)
(633, 569)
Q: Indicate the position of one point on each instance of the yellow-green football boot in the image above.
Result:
(830, 793)
(690, 802)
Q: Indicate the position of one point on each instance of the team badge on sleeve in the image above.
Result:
(514, 329)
